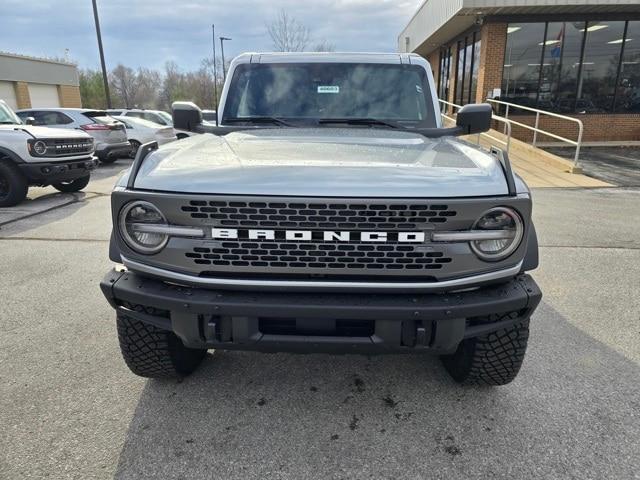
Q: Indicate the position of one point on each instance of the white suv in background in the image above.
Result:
(109, 135)
(141, 131)
(155, 116)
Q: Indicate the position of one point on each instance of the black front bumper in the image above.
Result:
(323, 322)
(119, 150)
(46, 173)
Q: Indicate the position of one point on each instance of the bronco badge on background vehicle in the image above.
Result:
(330, 211)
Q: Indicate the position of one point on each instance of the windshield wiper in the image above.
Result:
(259, 120)
(9, 123)
(361, 121)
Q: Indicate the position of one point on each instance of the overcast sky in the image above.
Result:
(150, 32)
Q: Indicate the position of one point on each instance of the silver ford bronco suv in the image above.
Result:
(329, 211)
(41, 156)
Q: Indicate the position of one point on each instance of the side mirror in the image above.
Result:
(186, 116)
(474, 118)
(30, 121)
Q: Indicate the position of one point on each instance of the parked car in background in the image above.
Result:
(210, 116)
(141, 131)
(38, 156)
(155, 116)
(109, 135)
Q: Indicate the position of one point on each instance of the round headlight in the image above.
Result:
(40, 147)
(137, 220)
(499, 219)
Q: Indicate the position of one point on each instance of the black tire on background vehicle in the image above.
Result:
(108, 160)
(154, 353)
(13, 185)
(73, 185)
(492, 359)
(135, 145)
(180, 136)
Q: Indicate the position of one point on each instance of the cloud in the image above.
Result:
(150, 32)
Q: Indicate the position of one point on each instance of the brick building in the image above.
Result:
(575, 57)
(28, 82)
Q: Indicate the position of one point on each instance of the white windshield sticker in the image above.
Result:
(328, 89)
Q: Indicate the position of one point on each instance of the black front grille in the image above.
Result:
(62, 147)
(378, 216)
(319, 256)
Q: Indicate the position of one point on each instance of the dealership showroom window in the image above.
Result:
(574, 67)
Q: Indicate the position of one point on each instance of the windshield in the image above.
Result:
(7, 117)
(168, 118)
(317, 91)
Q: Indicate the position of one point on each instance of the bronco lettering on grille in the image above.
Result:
(314, 235)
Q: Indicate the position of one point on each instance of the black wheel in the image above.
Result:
(154, 353)
(107, 160)
(73, 185)
(180, 136)
(492, 359)
(13, 185)
(135, 145)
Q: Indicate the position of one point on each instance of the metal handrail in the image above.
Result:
(537, 130)
(507, 126)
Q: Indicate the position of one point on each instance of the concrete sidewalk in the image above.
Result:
(540, 169)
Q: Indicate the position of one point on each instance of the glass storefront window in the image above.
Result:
(600, 66)
(445, 74)
(460, 72)
(561, 66)
(573, 67)
(468, 67)
(476, 68)
(521, 75)
(628, 94)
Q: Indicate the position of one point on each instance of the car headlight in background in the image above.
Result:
(508, 228)
(143, 227)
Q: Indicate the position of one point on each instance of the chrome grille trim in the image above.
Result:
(314, 285)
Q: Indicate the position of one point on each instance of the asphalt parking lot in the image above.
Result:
(616, 165)
(69, 408)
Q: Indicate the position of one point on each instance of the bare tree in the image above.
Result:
(324, 46)
(124, 84)
(288, 34)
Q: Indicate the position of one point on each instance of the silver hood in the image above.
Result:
(323, 162)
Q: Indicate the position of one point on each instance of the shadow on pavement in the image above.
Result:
(246, 415)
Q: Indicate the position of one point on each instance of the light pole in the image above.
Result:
(224, 67)
(215, 68)
(104, 68)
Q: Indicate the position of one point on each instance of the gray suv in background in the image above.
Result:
(110, 136)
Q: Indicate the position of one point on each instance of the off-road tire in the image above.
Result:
(14, 185)
(492, 359)
(154, 353)
(73, 185)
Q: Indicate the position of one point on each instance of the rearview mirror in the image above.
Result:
(474, 118)
(30, 121)
(186, 116)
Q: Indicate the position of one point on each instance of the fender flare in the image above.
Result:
(114, 251)
(531, 256)
(11, 155)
